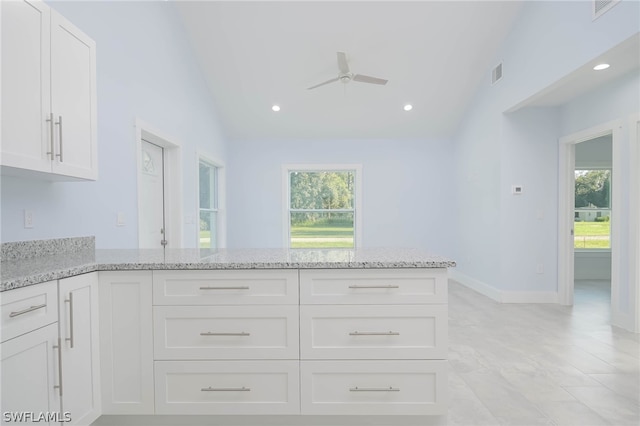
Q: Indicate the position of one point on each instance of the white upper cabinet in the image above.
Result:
(48, 94)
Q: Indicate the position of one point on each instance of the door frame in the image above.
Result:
(566, 195)
(172, 180)
(634, 204)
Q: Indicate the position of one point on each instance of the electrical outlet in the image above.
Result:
(28, 219)
(539, 268)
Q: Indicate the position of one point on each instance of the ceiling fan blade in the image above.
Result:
(343, 66)
(333, 80)
(367, 79)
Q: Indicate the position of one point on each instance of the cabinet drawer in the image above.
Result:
(373, 286)
(374, 387)
(227, 387)
(237, 287)
(27, 308)
(373, 332)
(226, 332)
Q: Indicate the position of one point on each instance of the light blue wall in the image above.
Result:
(500, 237)
(145, 70)
(407, 190)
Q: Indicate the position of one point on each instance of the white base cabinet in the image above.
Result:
(30, 379)
(79, 333)
(304, 343)
(50, 354)
(233, 387)
(126, 347)
(374, 387)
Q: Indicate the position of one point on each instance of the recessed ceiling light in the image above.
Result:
(275, 108)
(408, 107)
(601, 67)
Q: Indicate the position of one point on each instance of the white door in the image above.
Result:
(151, 196)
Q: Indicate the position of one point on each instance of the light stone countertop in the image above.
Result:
(18, 273)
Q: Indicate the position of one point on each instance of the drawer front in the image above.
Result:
(237, 287)
(226, 332)
(227, 387)
(27, 308)
(373, 332)
(374, 387)
(367, 286)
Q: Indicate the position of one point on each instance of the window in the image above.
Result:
(322, 206)
(592, 228)
(208, 205)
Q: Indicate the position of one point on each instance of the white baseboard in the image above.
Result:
(503, 296)
(624, 321)
(477, 285)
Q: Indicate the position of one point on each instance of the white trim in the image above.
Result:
(173, 180)
(476, 285)
(634, 242)
(311, 167)
(221, 222)
(565, 208)
(502, 296)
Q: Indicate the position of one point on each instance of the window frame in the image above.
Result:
(357, 202)
(218, 197)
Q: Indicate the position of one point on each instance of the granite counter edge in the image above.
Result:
(38, 278)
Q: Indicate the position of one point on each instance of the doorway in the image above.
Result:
(592, 228)
(159, 183)
(569, 216)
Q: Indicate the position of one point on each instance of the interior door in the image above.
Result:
(151, 196)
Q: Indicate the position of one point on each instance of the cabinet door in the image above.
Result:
(29, 373)
(26, 91)
(126, 345)
(73, 99)
(79, 334)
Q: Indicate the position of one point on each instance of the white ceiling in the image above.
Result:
(256, 54)
(435, 54)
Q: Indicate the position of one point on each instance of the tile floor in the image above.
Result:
(538, 364)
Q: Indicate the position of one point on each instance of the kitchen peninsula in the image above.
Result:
(292, 333)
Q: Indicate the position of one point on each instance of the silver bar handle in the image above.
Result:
(375, 286)
(374, 333)
(29, 309)
(240, 287)
(389, 389)
(210, 389)
(59, 348)
(50, 121)
(59, 123)
(70, 302)
(209, 333)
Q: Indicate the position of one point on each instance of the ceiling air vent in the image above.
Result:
(496, 74)
(599, 7)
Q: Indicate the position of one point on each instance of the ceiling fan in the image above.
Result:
(345, 75)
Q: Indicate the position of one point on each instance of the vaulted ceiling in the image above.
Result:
(434, 54)
(257, 54)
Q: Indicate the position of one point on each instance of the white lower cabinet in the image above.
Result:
(126, 346)
(387, 387)
(229, 387)
(50, 356)
(226, 332)
(289, 342)
(30, 376)
(79, 332)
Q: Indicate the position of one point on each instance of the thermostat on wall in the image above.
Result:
(516, 189)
